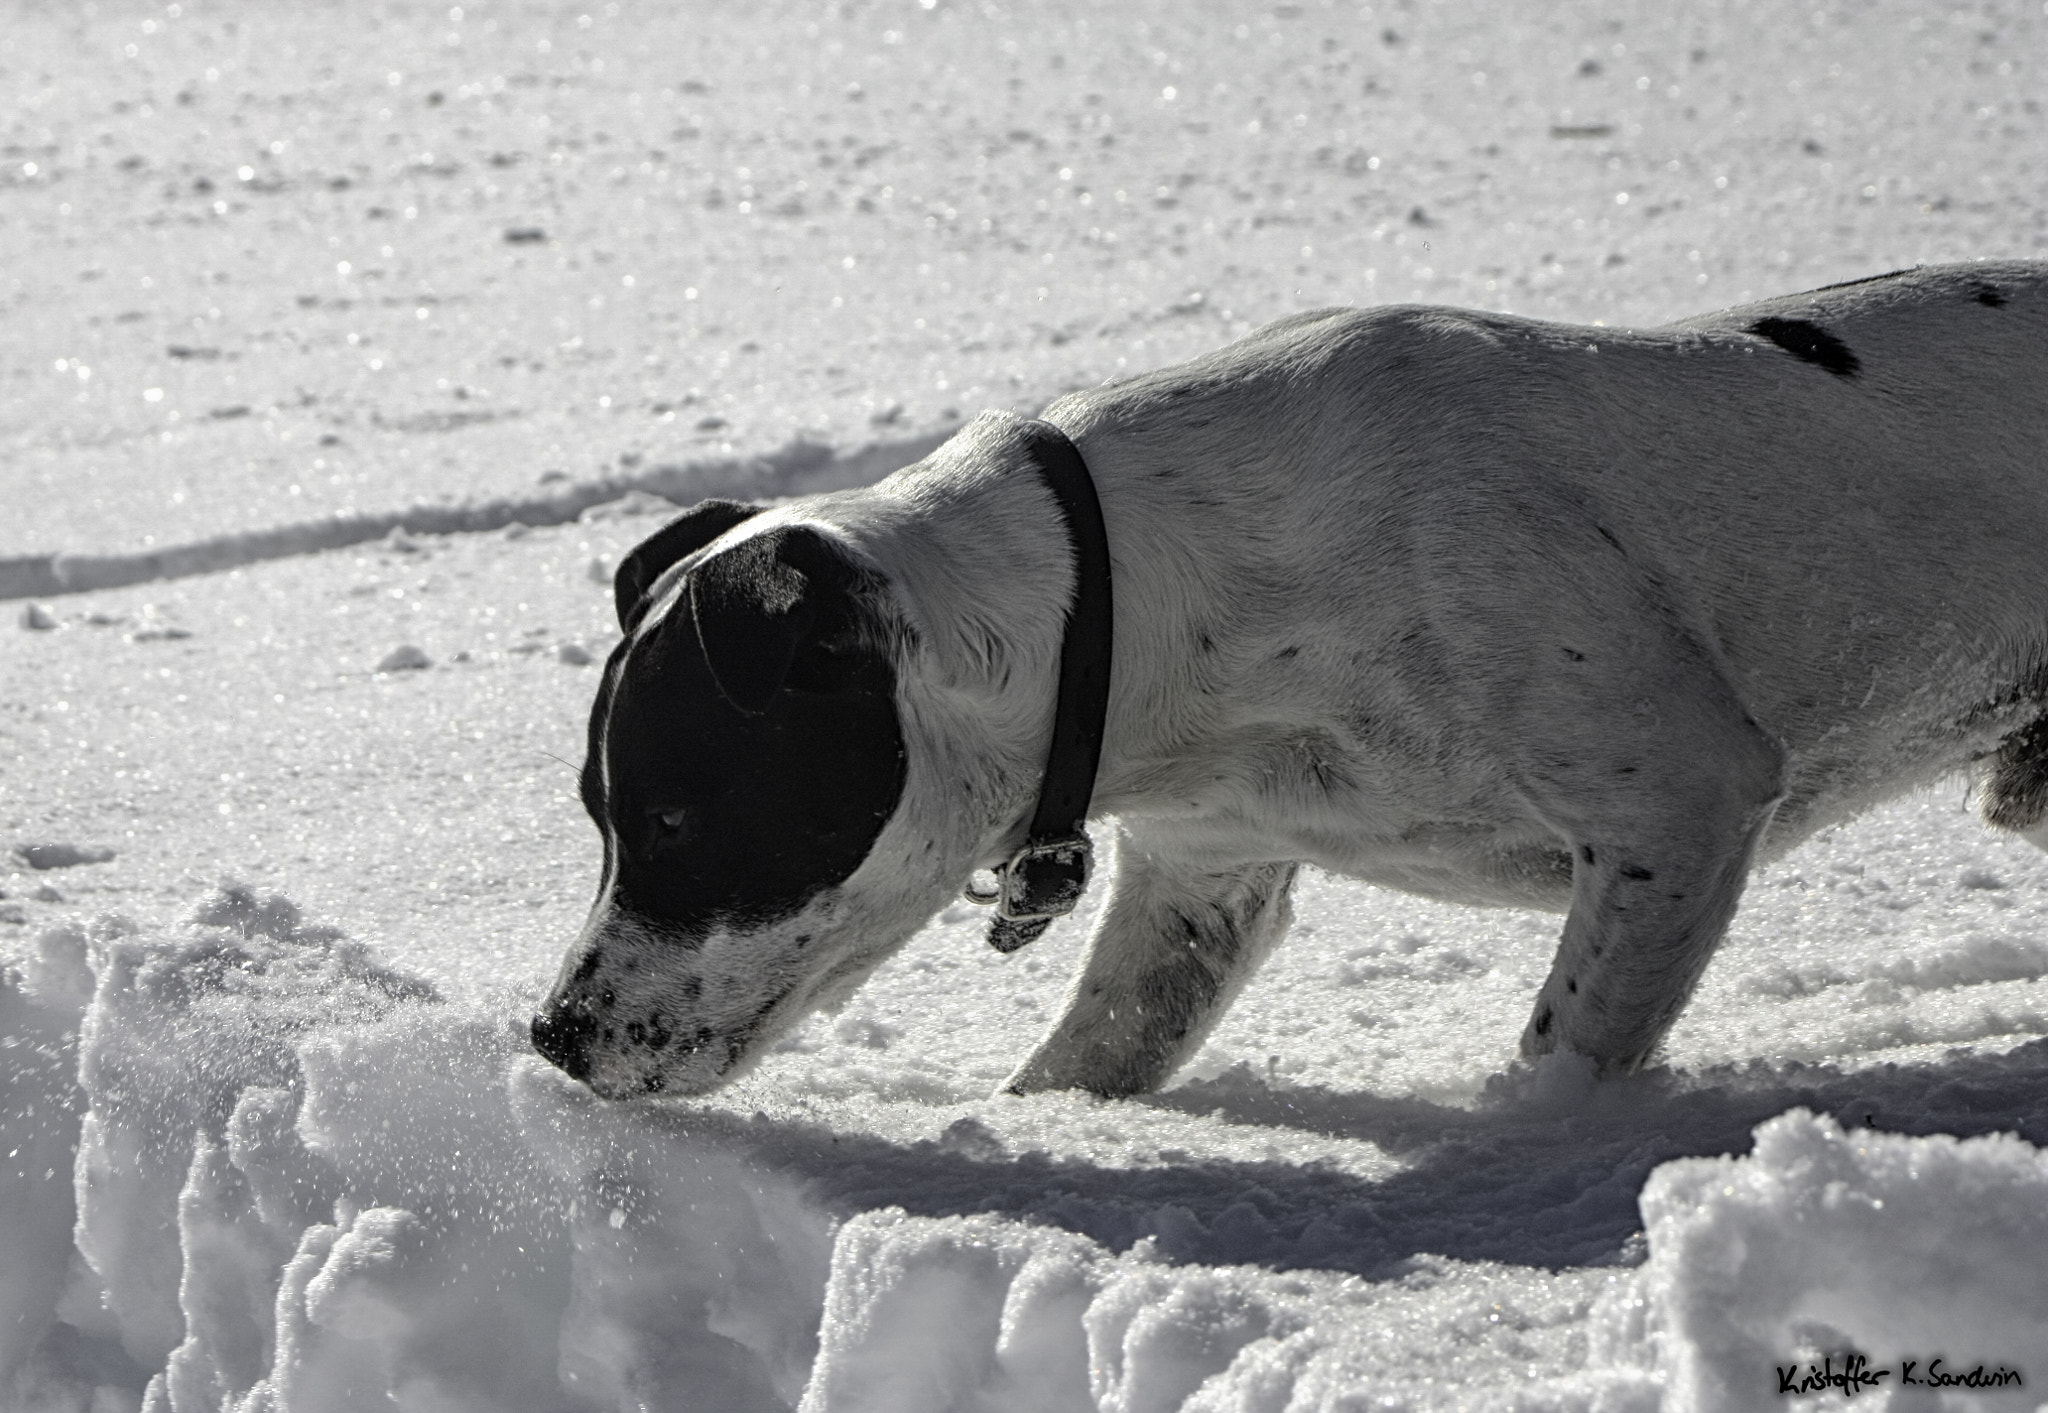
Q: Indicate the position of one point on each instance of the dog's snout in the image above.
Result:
(563, 1038)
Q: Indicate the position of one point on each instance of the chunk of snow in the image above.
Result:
(404, 658)
(46, 856)
(1827, 1241)
(986, 1313)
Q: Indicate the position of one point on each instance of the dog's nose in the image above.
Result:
(563, 1039)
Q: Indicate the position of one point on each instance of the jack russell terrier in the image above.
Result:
(1482, 608)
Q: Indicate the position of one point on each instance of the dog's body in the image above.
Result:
(1485, 609)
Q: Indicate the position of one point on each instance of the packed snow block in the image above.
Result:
(1158, 1334)
(318, 1368)
(956, 1315)
(383, 1310)
(988, 1314)
(289, 1186)
(696, 1270)
(40, 1112)
(985, 1314)
(302, 1183)
(413, 1111)
(179, 1029)
(1824, 1242)
(443, 1277)
(227, 1288)
(240, 1215)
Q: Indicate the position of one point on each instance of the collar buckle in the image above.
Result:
(1042, 881)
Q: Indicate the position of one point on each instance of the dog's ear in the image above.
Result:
(652, 557)
(761, 602)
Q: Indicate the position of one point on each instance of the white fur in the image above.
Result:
(1491, 610)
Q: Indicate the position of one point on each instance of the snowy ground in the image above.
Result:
(280, 280)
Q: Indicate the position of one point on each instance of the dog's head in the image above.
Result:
(823, 717)
(745, 760)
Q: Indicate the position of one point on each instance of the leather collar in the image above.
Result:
(1044, 879)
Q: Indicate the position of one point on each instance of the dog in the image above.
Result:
(1487, 609)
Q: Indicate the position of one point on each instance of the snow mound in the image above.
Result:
(1827, 1244)
(250, 1168)
(299, 1180)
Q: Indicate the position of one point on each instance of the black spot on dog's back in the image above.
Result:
(1809, 342)
(1991, 296)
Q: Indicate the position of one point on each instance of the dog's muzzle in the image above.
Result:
(563, 1039)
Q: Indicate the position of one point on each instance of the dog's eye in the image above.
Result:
(672, 819)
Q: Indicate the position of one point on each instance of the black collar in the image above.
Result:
(1045, 878)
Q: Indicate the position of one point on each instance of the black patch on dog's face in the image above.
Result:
(715, 813)
(1810, 342)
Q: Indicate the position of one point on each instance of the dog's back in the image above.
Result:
(1863, 537)
(1844, 492)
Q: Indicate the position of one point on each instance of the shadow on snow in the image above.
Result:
(1521, 1178)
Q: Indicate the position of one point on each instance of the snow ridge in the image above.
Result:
(250, 1168)
(802, 467)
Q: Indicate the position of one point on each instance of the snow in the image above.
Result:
(294, 1177)
(983, 1314)
(312, 567)
(1824, 1240)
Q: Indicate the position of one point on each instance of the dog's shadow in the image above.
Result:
(1520, 1178)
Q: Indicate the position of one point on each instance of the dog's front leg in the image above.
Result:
(1174, 946)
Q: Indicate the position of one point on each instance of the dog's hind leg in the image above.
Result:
(1647, 912)
(1584, 682)
(1172, 949)
(1663, 810)
(2015, 784)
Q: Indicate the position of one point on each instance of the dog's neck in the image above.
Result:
(982, 570)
